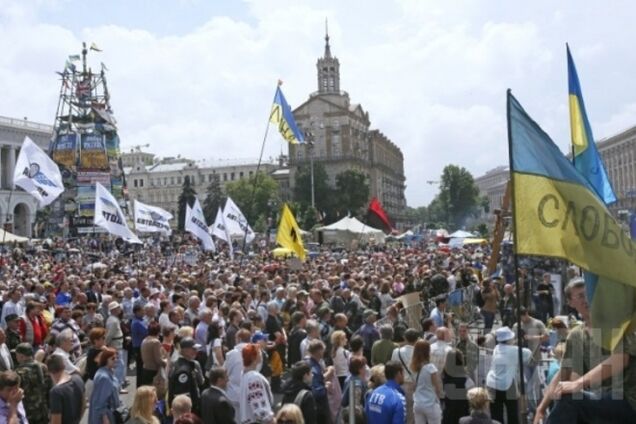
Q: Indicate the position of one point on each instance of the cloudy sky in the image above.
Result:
(197, 77)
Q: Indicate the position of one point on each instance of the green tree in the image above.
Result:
(352, 191)
(458, 195)
(214, 198)
(323, 194)
(260, 203)
(187, 197)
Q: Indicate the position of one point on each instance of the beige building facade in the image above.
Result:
(619, 156)
(159, 182)
(343, 139)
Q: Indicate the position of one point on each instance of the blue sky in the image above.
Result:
(196, 77)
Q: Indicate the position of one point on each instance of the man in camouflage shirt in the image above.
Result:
(36, 383)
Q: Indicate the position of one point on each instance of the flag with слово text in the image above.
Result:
(604, 312)
(288, 235)
(109, 216)
(235, 222)
(195, 224)
(151, 219)
(283, 117)
(219, 230)
(37, 174)
(558, 213)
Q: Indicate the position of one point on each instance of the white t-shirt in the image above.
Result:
(403, 355)
(341, 362)
(439, 350)
(425, 395)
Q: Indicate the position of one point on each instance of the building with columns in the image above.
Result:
(159, 182)
(18, 208)
(343, 139)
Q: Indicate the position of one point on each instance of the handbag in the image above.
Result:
(121, 414)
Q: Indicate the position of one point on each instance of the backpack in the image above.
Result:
(298, 400)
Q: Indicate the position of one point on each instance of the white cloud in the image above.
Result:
(432, 75)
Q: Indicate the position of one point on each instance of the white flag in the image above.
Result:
(151, 219)
(109, 216)
(37, 174)
(195, 224)
(219, 229)
(235, 221)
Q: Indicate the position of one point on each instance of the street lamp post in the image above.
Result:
(311, 168)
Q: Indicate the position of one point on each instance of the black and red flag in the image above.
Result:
(377, 214)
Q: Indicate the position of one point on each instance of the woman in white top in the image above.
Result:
(500, 380)
(256, 398)
(340, 356)
(428, 386)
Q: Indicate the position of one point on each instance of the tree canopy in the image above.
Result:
(259, 204)
(214, 198)
(187, 197)
(457, 198)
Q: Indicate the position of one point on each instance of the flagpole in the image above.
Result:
(522, 386)
(258, 167)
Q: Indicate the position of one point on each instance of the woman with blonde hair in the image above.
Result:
(428, 386)
(340, 356)
(143, 406)
(479, 408)
(289, 414)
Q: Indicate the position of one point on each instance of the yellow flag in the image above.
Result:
(288, 235)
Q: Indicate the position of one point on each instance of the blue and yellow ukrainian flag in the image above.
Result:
(607, 315)
(558, 213)
(586, 157)
(283, 117)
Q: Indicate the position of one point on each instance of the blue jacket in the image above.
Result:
(386, 405)
(139, 331)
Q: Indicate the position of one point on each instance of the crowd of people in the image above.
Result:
(209, 339)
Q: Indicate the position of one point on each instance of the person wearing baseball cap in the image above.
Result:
(187, 375)
(500, 380)
(34, 381)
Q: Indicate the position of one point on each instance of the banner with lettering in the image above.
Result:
(109, 216)
(151, 219)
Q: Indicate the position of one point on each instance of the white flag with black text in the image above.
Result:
(152, 219)
(109, 216)
(37, 174)
(195, 224)
(219, 229)
(236, 223)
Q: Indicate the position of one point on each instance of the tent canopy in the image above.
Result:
(461, 234)
(351, 224)
(8, 237)
(349, 229)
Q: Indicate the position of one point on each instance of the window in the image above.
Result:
(135, 183)
(141, 183)
(165, 180)
(178, 180)
(209, 178)
(224, 177)
(172, 180)
(232, 176)
(241, 174)
(251, 173)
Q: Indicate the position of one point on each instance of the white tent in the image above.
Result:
(462, 234)
(349, 230)
(8, 237)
